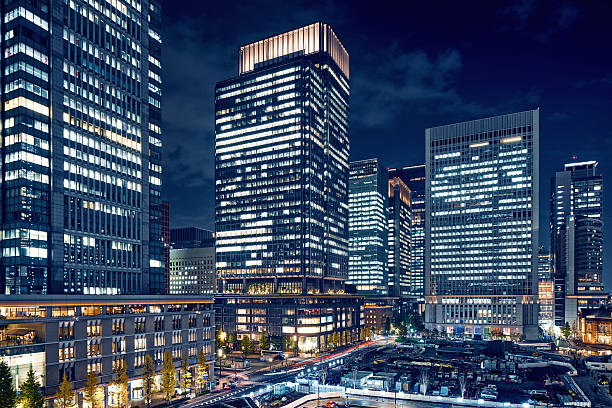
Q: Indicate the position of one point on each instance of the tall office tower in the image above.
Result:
(481, 253)
(368, 227)
(191, 237)
(577, 239)
(399, 219)
(281, 168)
(192, 271)
(282, 165)
(414, 178)
(81, 180)
(166, 240)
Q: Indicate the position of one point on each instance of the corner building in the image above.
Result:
(482, 226)
(81, 170)
(282, 169)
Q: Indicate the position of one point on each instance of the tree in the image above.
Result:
(148, 373)
(185, 373)
(566, 331)
(65, 396)
(367, 332)
(264, 341)
(202, 371)
(92, 393)
(231, 338)
(388, 325)
(246, 345)
(8, 395)
(122, 397)
(30, 395)
(168, 377)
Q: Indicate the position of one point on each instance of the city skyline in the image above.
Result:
(444, 79)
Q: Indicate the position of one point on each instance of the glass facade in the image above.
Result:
(414, 178)
(399, 219)
(482, 225)
(577, 239)
(81, 148)
(281, 169)
(368, 227)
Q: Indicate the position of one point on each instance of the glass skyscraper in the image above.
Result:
(414, 178)
(81, 185)
(368, 227)
(281, 166)
(576, 226)
(481, 256)
(399, 219)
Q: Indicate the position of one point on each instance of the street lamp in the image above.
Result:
(220, 354)
(295, 346)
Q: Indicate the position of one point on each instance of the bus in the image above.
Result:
(272, 355)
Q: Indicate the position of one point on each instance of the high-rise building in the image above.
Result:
(191, 237)
(481, 253)
(414, 178)
(281, 169)
(192, 271)
(282, 165)
(166, 240)
(368, 270)
(576, 225)
(399, 219)
(81, 176)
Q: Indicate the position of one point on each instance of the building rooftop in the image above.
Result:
(310, 39)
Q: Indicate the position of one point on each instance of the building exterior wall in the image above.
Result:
(595, 326)
(82, 148)
(399, 219)
(72, 335)
(577, 239)
(192, 271)
(281, 170)
(368, 229)
(311, 321)
(414, 178)
(482, 226)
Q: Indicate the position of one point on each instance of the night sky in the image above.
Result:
(415, 65)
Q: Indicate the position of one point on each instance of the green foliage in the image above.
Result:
(30, 395)
(168, 377)
(566, 331)
(264, 341)
(92, 393)
(185, 373)
(122, 396)
(247, 345)
(202, 374)
(65, 396)
(148, 373)
(8, 396)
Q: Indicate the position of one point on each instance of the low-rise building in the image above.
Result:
(307, 323)
(73, 335)
(595, 326)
